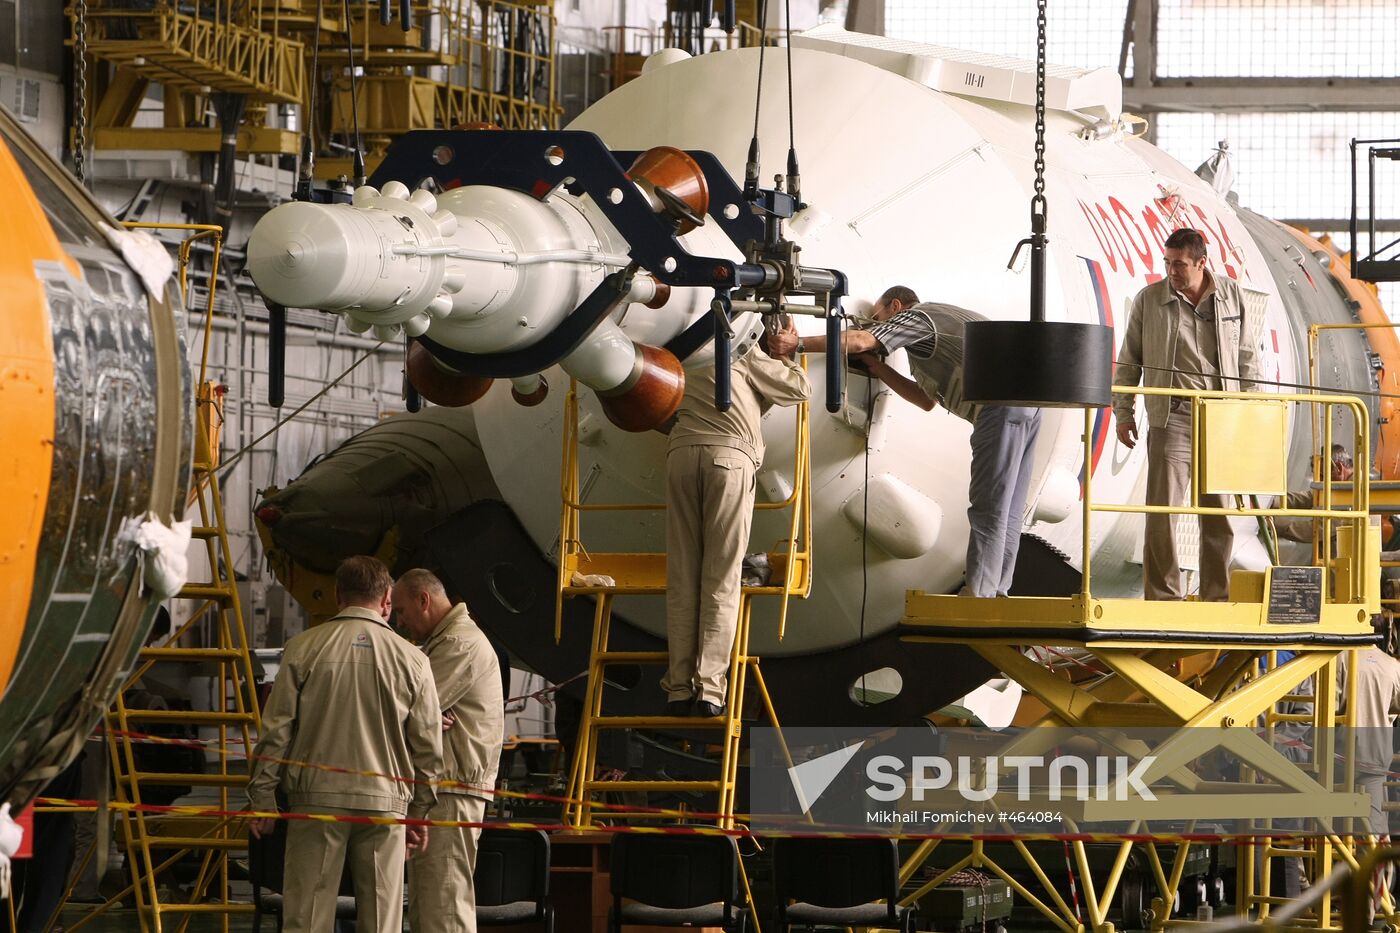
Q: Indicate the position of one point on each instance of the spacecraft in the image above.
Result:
(916, 170)
(95, 402)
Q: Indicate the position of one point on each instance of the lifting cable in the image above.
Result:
(751, 166)
(1039, 206)
(306, 172)
(794, 178)
(228, 464)
(357, 151)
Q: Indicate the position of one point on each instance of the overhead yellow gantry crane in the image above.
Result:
(459, 62)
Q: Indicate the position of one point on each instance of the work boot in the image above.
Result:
(708, 710)
(678, 707)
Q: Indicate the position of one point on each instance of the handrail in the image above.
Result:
(198, 232)
(1357, 515)
(1314, 332)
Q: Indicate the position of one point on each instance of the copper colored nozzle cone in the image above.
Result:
(440, 386)
(653, 398)
(476, 125)
(663, 295)
(534, 398)
(670, 168)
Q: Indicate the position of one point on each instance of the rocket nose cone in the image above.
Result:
(298, 253)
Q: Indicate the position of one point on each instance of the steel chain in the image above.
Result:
(1038, 204)
(80, 90)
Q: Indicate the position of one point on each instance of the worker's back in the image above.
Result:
(468, 678)
(757, 381)
(1377, 704)
(365, 702)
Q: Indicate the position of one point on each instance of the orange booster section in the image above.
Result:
(1385, 343)
(26, 399)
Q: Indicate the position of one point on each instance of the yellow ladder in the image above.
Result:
(155, 842)
(644, 574)
(584, 787)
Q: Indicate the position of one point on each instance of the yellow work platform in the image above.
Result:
(1095, 620)
(1383, 496)
(645, 574)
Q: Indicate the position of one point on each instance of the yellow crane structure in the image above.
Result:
(448, 63)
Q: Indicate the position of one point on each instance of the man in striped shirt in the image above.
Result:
(1003, 437)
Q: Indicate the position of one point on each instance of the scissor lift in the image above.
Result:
(1146, 648)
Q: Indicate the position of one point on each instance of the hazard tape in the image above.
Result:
(822, 831)
(658, 812)
(442, 783)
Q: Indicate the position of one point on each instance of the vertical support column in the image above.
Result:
(1145, 52)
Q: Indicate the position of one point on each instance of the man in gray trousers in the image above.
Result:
(1003, 436)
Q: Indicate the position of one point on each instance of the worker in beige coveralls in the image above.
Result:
(1188, 331)
(441, 896)
(352, 695)
(710, 467)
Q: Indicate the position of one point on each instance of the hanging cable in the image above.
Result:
(751, 167)
(358, 155)
(794, 178)
(864, 512)
(306, 171)
(787, 36)
(228, 464)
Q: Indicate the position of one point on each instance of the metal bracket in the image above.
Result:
(556, 345)
(540, 162)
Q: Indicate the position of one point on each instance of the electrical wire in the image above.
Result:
(864, 514)
(1306, 386)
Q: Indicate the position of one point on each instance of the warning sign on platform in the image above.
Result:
(1295, 595)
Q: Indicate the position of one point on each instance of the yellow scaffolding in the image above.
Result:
(460, 62)
(489, 62)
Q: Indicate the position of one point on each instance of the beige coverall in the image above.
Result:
(352, 694)
(1171, 344)
(709, 507)
(441, 898)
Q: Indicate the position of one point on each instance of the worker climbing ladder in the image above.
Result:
(165, 849)
(608, 576)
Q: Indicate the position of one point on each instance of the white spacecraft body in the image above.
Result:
(917, 166)
(907, 184)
